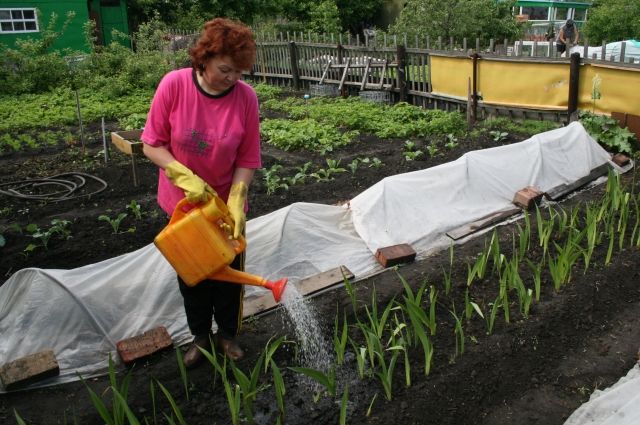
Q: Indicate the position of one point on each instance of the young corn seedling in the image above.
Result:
(340, 339)
(591, 229)
(113, 222)
(119, 407)
(446, 274)
(536, 275)
(279, 387)
(183, 372)
(419, 322)
(270, 350)
(491, 318)
(248, 385)
(327, 380)
(344, 403)
(399, 340)
(458, 332)
(386, 370)
(478, 269)
(174, 406)
(561, 264)
(361, 358)
(233, 393)
(470, 306)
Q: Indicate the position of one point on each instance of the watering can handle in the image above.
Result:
(239, 244)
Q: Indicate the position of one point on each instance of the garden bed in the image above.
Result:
(529, 371)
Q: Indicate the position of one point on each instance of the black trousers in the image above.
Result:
(209, 299)
(561, 47)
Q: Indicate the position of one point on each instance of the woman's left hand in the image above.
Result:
(235, 204)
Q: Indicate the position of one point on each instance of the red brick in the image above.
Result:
(621, 159)
(396, 254)
(527, 197)
(28, 369)
(143, 345)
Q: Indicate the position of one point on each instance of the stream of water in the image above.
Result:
(314, 350)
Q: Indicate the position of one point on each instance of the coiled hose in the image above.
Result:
(60, 187)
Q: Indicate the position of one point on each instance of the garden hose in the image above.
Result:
(60, 187)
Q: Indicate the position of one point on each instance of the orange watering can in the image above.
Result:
(198, 246)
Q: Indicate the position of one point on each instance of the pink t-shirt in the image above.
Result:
(210, 135)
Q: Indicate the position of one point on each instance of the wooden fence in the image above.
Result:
(401, 68)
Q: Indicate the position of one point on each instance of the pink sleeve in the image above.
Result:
(249, 155)
(157, 130)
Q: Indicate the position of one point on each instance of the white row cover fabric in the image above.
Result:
(631, 50)
(616, 405)
(81, 313)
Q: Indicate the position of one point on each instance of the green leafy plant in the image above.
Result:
(410, 152)
(272, 180)
(608, 133)
(114, 222)
(136, 209)
(451, 141)
(58, 228)
(498, 136)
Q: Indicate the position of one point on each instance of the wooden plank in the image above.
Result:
(564, 189)
(344, 74)
(127, 141)
(482, 223)
(28, 369)
(365, 74)
(323, 280)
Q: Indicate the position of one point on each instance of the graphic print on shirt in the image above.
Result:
(198, 142)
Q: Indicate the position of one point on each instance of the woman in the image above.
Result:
(203, 132)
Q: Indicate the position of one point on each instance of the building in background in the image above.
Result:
(547, 15)
(20, 19)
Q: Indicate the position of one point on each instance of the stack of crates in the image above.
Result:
(316, 90)
(376, 96)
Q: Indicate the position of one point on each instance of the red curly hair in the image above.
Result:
(224, 37)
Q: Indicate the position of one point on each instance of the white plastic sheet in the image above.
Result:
(81, 313)
(616, 405)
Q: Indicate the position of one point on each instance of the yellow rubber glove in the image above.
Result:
(235, 203)
(195, 189)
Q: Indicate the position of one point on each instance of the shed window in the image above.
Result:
(18, 20)
(536, 13)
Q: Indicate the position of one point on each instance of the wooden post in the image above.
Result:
(574, 80)
(623, 47)
(474, 90)
(295, 75)
(401, 72)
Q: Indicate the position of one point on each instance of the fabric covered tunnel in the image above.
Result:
(81, 313)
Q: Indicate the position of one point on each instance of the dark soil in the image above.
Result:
(530, 371)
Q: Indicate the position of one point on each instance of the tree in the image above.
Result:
(613, 20)
(484, 19)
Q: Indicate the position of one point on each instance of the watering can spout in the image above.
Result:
(227, 274)
(277, 288)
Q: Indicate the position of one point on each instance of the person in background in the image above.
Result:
(567, 37)
(202, 130)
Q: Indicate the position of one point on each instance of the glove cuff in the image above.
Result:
(238, 190)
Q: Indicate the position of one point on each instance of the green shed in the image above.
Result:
(20, 19)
